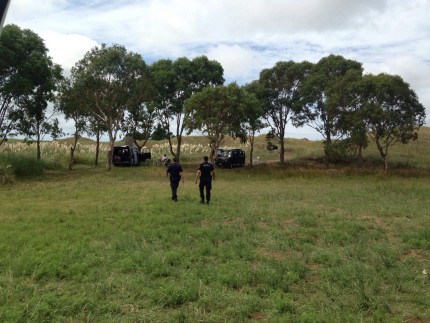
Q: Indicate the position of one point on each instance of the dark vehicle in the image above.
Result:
(129, 156)
(231, 158)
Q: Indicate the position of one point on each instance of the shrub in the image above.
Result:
(23, 166)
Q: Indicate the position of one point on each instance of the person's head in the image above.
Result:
(205, 158)
(174, 159)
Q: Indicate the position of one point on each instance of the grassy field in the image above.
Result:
(277, 244)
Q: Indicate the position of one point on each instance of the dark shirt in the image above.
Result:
(205, 170)
(174, 171)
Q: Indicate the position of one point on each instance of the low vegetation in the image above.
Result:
(301, 242)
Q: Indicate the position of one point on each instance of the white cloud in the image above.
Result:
(238, 62)
(66, 50)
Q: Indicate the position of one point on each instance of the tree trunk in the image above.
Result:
(178, 148)
(38, 148)
(109, 156)
(171, 146)
(72, 151)
(251, 150)
(72, 154)
(282, 151)
(96, 162)
(383, 154)
(214, 149)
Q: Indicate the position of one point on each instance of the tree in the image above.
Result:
(254, 111)
(282, 92)
(72, 104)
(32, 118)
(324, 97)
(175, 82)
(218, 112)
(27, 80)
(115, 81)
(390, 110)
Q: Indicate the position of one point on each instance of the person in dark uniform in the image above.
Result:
(206, 173)
(174, 171)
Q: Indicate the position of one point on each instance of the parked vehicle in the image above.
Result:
(231, 158)
(129, 156)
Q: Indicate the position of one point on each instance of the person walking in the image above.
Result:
(206, 173)
(174, 172)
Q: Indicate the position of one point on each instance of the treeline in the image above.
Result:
(112, 91)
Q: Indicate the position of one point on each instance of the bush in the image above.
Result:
(26, 166)
(340, 150)
(23, 165)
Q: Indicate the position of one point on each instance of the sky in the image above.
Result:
(245, 36)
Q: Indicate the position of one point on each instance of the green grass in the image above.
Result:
(276, 244)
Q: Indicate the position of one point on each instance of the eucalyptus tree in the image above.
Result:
(390, 110)
(175, 82)
(253, 116)
(219, 112)
(114, 80)
(27, 81)
(72, 104)
(281, 95)
(324, 97)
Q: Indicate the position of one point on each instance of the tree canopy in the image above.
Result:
(219, 112)
(27, 81)
(113, 80)
(390, 110)
(175, 82)
(324, 96)
(281, 95)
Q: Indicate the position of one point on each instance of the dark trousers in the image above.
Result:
(205, 183)
(174, 183)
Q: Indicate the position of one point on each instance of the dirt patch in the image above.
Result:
(257, 316)
(413, 253)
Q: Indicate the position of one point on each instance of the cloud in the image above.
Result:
(67, 49)
(238, 62)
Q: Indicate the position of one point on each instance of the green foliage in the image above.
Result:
(390, 110)
(219, 112)
(160, 133)
(26, 166)
(27, 81)
(279, 93)
(116, 80)
(175, 82)
(340, 150)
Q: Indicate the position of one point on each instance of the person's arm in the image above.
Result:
(197, 176)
